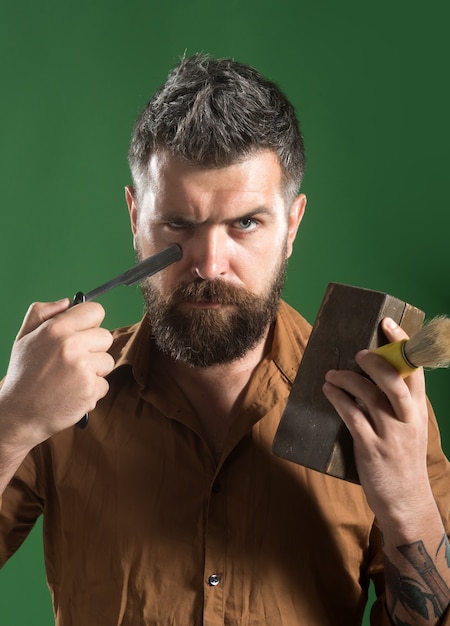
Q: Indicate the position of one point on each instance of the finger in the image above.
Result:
(392, 330)
(85, 315)
(402, 393)
(40, 312)
(350, 411)
(84, 344)
(103, 388)
(86, 351)
(95, 339)
(69, 325)
(361, 402)
(103, 364)
(100, 391)
(415, 381)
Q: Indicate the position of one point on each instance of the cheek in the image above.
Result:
(141, 248)
(171, 277)
(145, 241)
(163, 282)
(257, 273)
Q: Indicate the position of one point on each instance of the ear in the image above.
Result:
(295, 216)
(130, 197)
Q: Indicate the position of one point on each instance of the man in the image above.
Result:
(170, 508)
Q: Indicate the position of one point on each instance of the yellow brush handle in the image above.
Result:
(394, 354)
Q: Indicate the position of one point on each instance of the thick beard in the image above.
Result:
(206, 337)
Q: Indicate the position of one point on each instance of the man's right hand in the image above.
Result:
(56, 372)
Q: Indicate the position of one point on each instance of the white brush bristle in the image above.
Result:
(430, 346)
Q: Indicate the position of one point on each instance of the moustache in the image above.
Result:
(217, 291)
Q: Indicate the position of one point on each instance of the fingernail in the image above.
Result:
(361, 354)
(389, 322)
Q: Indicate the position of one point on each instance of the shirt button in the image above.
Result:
(214, 580)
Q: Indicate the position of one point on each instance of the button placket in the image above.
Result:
(215, 550)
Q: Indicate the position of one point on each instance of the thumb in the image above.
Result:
(392, 330)
(40, 312)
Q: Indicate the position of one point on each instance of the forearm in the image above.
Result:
(12, 449)
(390, 424)
(417, 569)
(9, 463)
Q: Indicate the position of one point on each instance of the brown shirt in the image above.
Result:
(143, 527)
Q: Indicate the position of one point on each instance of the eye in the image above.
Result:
(246, 223)
(179, 224)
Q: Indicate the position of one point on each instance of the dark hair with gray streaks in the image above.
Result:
(213, 113)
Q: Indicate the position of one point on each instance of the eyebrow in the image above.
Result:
(182, 219)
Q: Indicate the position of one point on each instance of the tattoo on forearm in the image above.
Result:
(426, 595)
(444, 544)
(424, 565)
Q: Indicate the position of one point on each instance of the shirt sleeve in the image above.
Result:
(21, 505)
(439, 474)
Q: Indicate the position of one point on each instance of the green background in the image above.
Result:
(370, 84)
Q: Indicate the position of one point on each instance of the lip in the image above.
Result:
(206, 304)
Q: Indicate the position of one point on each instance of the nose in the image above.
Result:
(210, 254)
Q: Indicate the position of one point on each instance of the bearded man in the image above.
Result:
(170, 507)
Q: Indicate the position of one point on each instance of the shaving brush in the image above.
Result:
(429, 347)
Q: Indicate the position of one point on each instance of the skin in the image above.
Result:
(390, 450)
(230, 223)
(55, 375)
